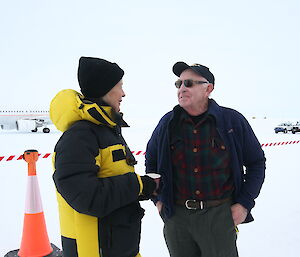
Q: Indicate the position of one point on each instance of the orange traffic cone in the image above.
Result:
(35, 241)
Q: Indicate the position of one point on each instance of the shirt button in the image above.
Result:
(196, 170)
(195, 150)
(223, 147)
(197, 192)
(195, 131)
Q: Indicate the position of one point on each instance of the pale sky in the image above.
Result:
(252, 48)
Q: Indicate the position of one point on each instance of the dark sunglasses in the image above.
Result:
(189, 82)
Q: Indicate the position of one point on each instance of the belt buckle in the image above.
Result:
(187, 204)
(201, 205)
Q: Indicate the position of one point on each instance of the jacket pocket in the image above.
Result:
(118, 155)
(120, 231)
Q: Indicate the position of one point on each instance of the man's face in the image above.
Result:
(114, 96)
(191, 98)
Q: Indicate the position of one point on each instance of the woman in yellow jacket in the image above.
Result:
(97, 189)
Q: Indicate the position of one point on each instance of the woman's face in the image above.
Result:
(114, 96)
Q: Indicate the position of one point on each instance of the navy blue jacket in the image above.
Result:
(247, 158)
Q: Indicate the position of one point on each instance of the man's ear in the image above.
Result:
(210, 87)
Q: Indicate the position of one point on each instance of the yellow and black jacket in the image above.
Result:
(97, 188)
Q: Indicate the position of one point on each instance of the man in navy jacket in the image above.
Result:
(212, 168)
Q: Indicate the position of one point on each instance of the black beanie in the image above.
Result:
(97, 76)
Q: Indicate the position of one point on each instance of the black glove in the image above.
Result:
(149, 187)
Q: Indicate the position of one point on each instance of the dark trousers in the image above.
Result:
(201, 233)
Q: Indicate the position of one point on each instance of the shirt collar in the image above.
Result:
(182, 116)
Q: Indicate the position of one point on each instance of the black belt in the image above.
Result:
(200, 205)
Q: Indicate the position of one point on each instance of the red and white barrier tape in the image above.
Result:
(20, 157)
(281, 143)
(46, 155)
(140, 153)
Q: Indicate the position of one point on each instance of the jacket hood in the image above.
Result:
(69, 106)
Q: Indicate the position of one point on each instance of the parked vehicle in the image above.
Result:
(284, 127)
(280, 129)
(296, 127)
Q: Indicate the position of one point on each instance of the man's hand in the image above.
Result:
(239, 213)
(159, 205)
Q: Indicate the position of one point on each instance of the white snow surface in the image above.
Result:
(274, 233)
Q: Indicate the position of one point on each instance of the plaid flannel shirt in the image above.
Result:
(200, 160)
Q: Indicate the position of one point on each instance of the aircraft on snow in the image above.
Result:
(25, 120)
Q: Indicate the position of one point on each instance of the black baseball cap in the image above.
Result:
(202, 70)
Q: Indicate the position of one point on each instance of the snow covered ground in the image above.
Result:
(275, 232)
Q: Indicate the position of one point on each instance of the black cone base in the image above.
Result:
(56, 252)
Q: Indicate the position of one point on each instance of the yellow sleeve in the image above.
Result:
(141, 183)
